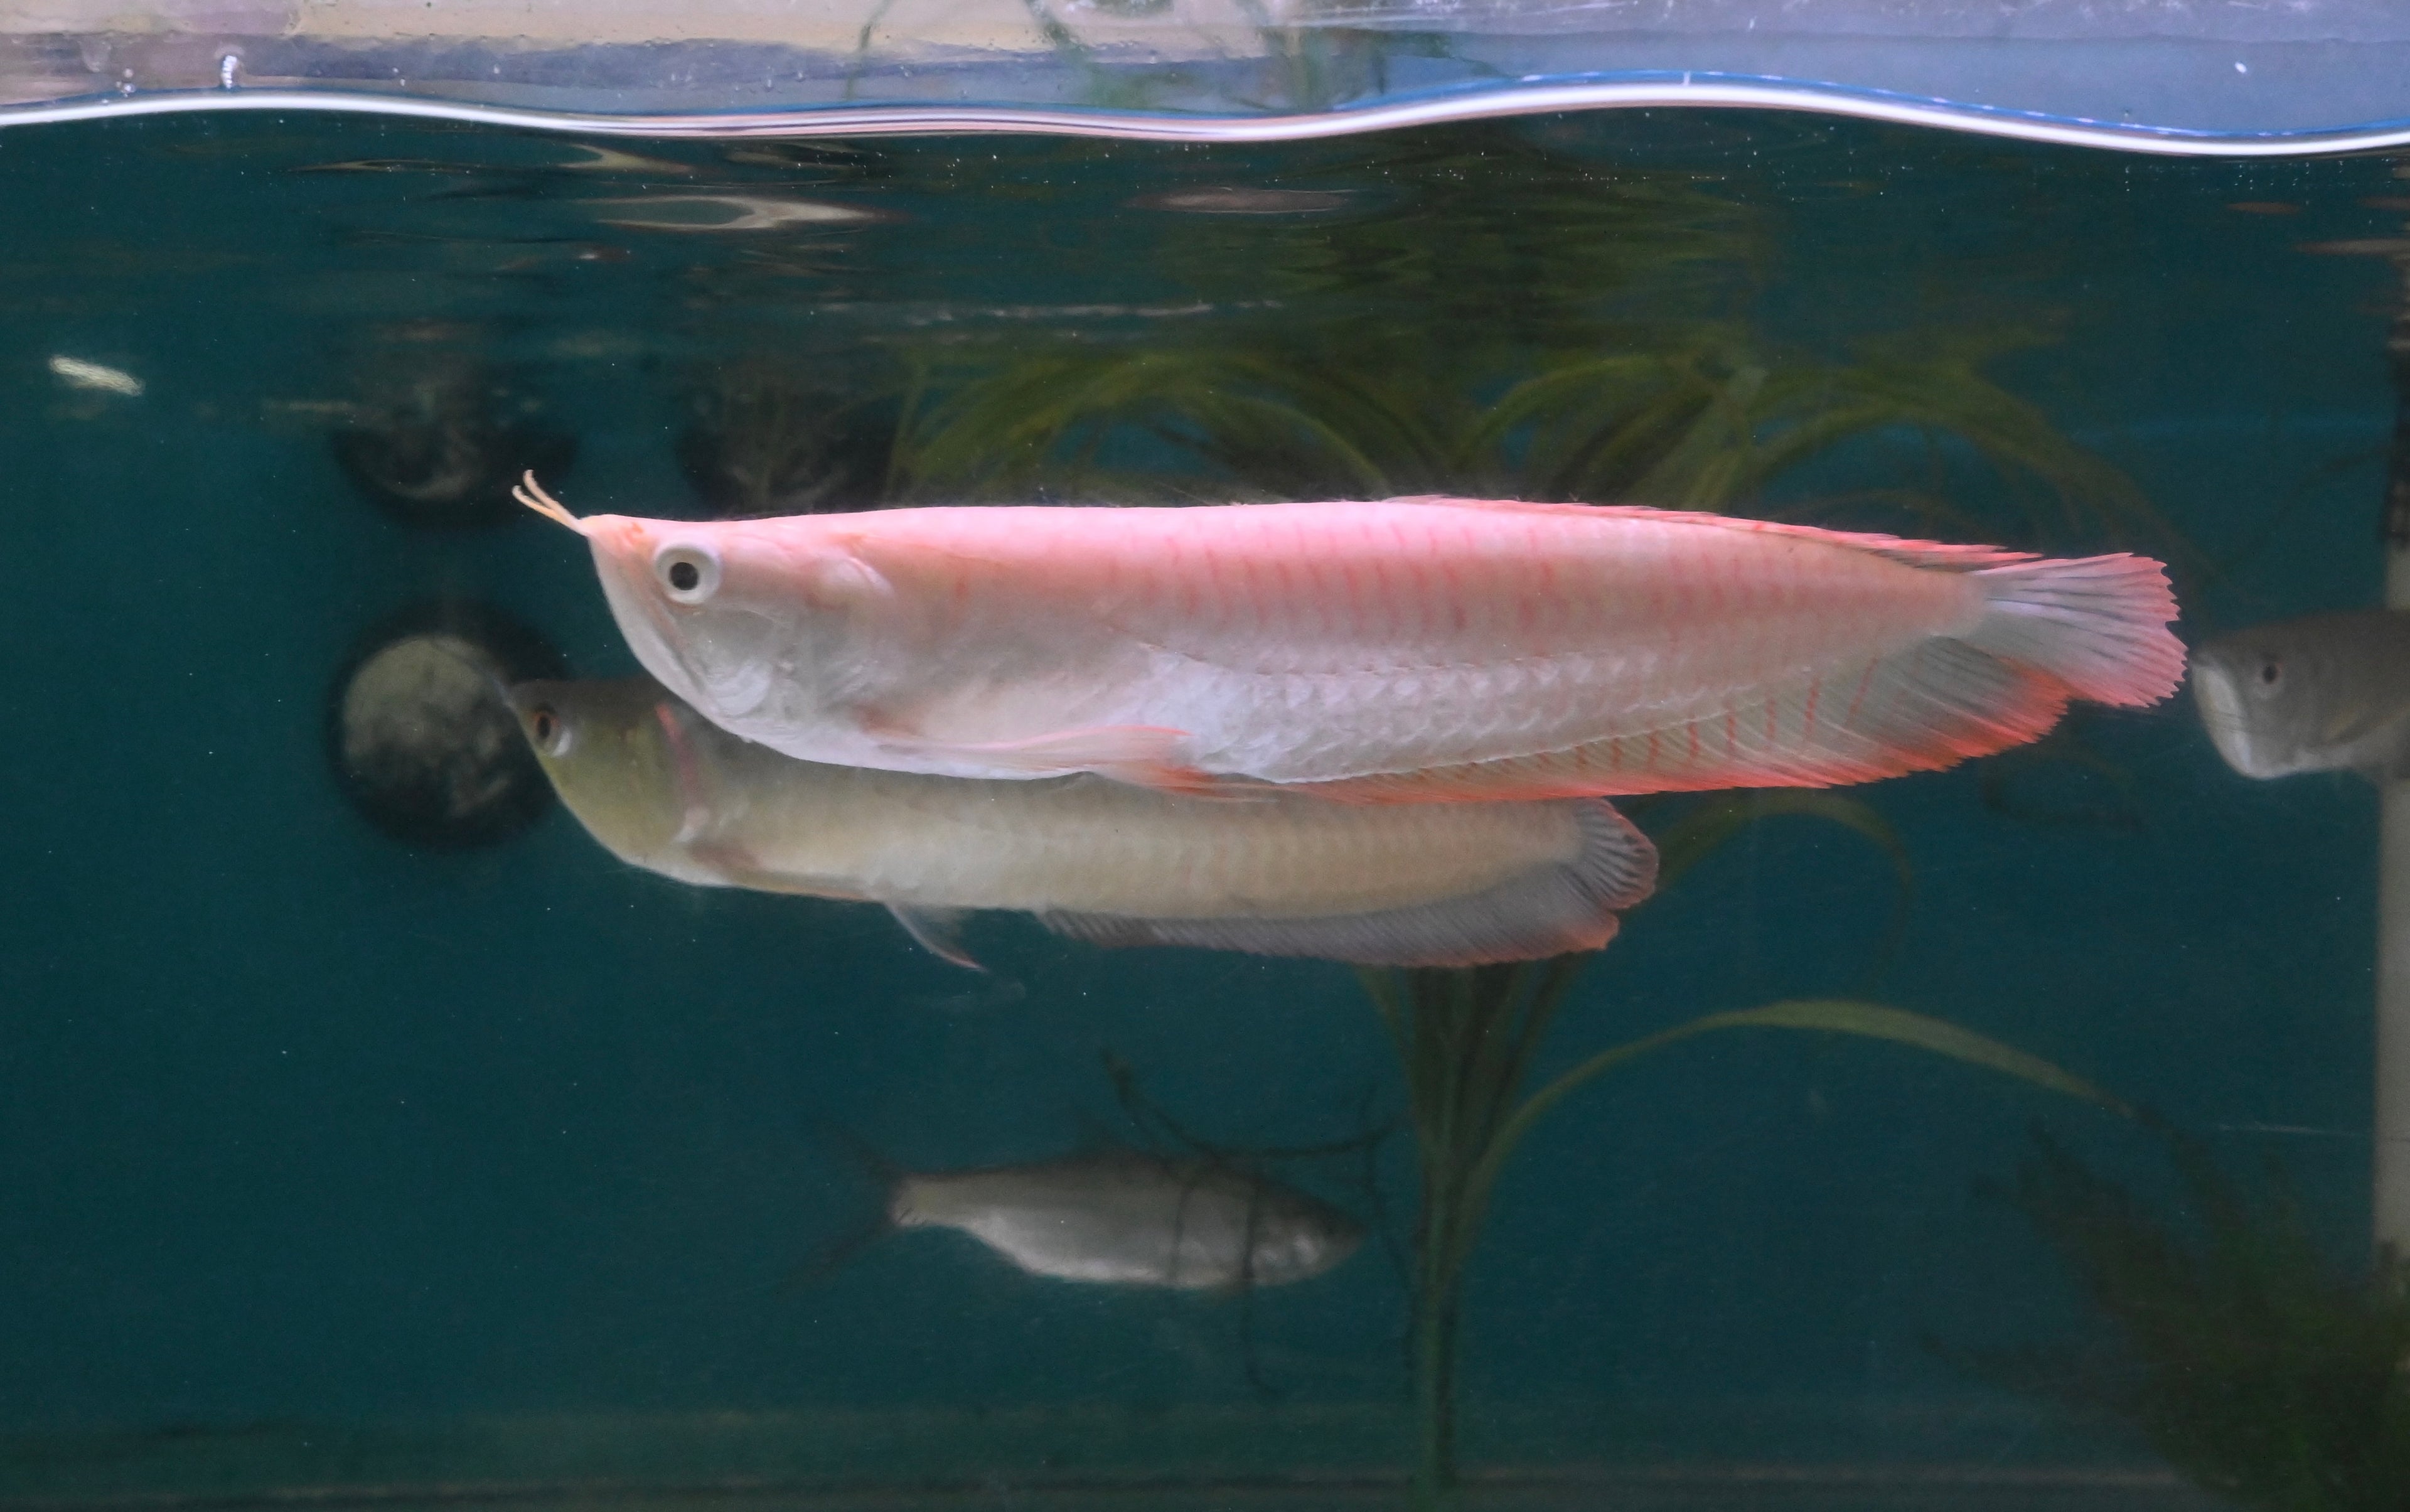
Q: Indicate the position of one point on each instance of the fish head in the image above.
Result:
(2265, 698)
(745, 619)
(1297, 1237)
(610, 757)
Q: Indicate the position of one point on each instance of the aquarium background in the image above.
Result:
(325, 1161)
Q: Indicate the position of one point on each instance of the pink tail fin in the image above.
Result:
(2100, 625)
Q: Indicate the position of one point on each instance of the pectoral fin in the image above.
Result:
(2354, 722)
(939, 931)
(733, 865)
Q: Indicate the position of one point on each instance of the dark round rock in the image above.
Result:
(419, 737)
(442, 453)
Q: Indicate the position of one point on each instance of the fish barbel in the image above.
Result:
(663, 788)
(1407, 651)
(2322, 694)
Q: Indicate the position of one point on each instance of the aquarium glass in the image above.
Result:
(373, 1134)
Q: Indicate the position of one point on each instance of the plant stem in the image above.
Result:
(1466, 1038)
(1435, 1336)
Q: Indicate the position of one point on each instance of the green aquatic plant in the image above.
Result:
(2258, 1367)
(1465, 1039)
(1699, 418)
(762, 439)
(1713, 419)
(1518, 252)
(1597, 347)
(1509, 238)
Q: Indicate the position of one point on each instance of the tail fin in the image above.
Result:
(831, 1255)
(2097, 624)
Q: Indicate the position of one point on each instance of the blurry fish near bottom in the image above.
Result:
(2322, 694)
(664, 788)
(1123, 1218)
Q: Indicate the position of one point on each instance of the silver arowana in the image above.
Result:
(664, 788)
(2321, 694)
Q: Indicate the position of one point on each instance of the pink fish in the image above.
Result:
(1406, 650)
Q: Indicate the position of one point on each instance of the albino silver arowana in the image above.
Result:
(663, 788)
(1406, 650)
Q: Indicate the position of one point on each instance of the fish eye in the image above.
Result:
(550, 730)
(689, 573)
(2272, 672)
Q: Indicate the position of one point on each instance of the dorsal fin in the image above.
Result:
(1898, 548)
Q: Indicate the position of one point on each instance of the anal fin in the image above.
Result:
(1552, 910)
(939, 931)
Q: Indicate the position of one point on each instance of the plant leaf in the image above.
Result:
(1873, 1020)
(1708, 826)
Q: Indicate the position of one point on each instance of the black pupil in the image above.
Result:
(2269, 672)
(683, 576)
(543, 724)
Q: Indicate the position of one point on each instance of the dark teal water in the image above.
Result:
(299, 1126)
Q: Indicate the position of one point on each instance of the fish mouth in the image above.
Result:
(2218, 697)
(645, 621)
(711, 658)
(1309, 1251)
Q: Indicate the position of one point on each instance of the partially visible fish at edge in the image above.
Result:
(664, 788)
(2321, 694)
(1405, 651)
